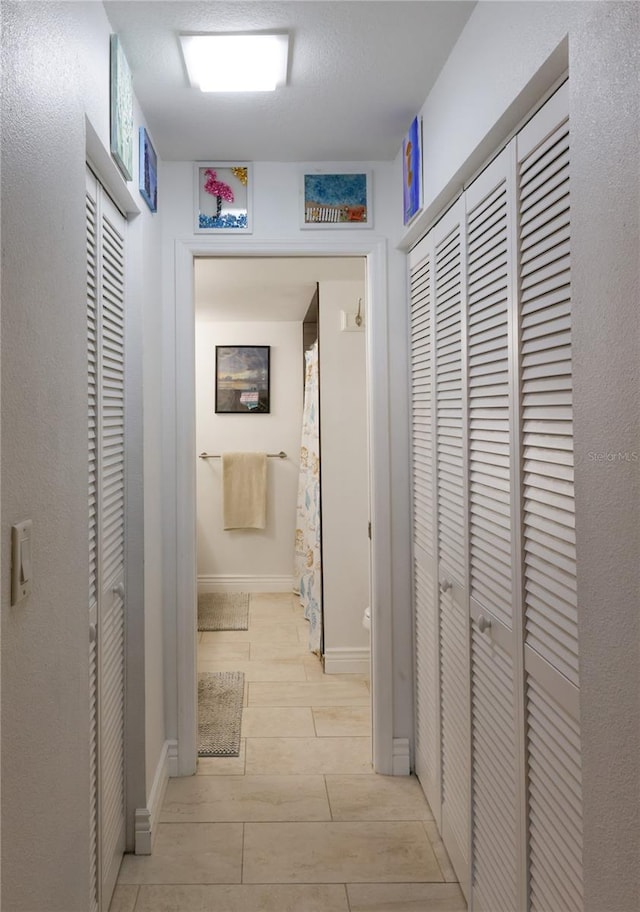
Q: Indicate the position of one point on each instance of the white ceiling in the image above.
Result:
(232, 290)
(359, 72)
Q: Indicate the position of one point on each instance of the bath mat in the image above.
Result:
(220, 697)
(223, 611)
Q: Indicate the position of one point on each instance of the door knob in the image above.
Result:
(93, 633)
(445, 585)
(118, 590)
(484, 623)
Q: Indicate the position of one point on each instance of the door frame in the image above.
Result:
(184, 597)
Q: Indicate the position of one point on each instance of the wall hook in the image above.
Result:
(358, 317)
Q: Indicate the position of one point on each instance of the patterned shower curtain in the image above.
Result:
(307, 569)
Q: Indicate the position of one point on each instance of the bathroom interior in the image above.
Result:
(290, 306)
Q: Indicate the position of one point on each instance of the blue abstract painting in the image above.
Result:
(412, 171)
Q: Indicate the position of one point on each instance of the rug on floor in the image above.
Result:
(223, 611)
(220, 696)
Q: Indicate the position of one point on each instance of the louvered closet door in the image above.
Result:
(92, 342)
(495, 691)
(105, 229)
(424, 524)
(550, 604)
(450, 424)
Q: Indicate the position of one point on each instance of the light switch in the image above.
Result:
(21, 565)
(349, 322)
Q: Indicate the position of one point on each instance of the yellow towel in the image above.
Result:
(244, 490)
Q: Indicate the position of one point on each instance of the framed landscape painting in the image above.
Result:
(331, 200)
(242, 379)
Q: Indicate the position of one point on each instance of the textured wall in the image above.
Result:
(45, 751)
(605, 107)
(55, 74)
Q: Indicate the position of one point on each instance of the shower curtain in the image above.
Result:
(307, 569)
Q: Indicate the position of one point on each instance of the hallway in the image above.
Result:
(298, 822)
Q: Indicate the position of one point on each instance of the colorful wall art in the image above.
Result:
(223, 197)
(412, 171)
(336, 200)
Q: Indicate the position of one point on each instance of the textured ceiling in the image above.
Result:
(229, 289)
(359, 71)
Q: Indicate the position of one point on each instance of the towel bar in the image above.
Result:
(280, 455)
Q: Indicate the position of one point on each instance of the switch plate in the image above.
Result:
(21, 564)
(348, 322)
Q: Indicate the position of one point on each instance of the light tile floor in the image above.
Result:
(298, 822)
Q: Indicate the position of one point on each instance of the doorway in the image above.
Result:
(257, 305)
(182, 568)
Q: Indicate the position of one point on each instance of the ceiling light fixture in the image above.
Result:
(236, 63)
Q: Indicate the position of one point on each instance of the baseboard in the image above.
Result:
(401, 757)
(172, 758)
(147, 818)
(240, 583)
(345, 660)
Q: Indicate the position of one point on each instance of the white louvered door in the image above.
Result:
(105, 339)
(450, 469)
(549, 546)
(493, 559)
(425, 589)
(92, 343)
(492, 461)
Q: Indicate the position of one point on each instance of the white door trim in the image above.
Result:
(375, 251)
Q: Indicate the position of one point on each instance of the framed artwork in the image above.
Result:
(148, 171)
(223, 192)
(242, 379)
(412, 171)
(121, 109)
(331, 200)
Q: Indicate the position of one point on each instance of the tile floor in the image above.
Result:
(298, 822)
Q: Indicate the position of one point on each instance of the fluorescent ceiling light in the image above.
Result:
(236, 63)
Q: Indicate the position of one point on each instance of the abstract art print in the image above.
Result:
(242, 379)
(223, 197)
(412, 171)
(121, 96)
(336, 200)
(148, 171)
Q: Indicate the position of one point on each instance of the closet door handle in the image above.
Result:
(445, 585)
(93, 633)
(484, 624)
(119, 591)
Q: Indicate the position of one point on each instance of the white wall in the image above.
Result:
(509, 54)
(345, 468)
(56, 73)
(277, 230)
(255, 559)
